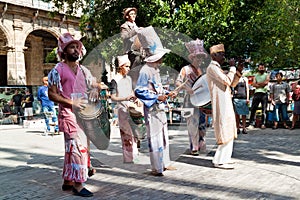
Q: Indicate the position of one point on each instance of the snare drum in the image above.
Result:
(95, 123)
(201, 95)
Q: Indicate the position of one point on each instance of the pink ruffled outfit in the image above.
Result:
(76, 151)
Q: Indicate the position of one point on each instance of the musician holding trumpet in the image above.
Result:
(187, 76)
(222, 108)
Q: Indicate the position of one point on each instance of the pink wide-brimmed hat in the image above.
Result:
(195, 47)
(152, 44)
(64, 40)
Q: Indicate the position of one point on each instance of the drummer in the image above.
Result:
(196, 122)
(68, 79)
(122, 92)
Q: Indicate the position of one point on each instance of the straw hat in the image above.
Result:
(217, 48)
(127, 10)
(151, 43)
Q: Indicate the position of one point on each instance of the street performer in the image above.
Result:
(150, 91)
(222, 109)
(190, 73)
(68, 84)
(129, 31)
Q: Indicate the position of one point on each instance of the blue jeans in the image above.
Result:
(280, 108)
(50, 109)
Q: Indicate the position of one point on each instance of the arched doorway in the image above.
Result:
(38, 44)
(3, 59)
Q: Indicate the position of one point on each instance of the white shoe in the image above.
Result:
(251, 127)
(224, 166)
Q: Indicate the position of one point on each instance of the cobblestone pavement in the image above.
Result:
(267, 166)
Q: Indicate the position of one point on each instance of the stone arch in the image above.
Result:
(7, 34)
(38, 43)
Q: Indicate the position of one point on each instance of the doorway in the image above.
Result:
(3, 70)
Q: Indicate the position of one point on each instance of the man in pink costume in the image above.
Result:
(68, 84)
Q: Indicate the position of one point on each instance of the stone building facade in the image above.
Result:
(27, 34)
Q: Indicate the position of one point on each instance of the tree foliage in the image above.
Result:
(265, 30)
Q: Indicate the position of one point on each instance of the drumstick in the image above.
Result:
(181, 85)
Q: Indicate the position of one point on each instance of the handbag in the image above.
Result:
(296, 97)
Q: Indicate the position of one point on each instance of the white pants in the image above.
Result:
(223, 153)
(28, 112)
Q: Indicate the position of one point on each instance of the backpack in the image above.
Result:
(240, 91)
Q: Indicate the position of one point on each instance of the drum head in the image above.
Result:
(201, 96)
(91, 110)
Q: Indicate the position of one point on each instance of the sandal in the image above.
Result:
(292, 128)
(195, 153)
(274, 127)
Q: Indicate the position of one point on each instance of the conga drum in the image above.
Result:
(95, 123)
(137, 116)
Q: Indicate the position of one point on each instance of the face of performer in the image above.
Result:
(219, 57)
(159, 62)
(72, 52)
(131, 16)
(197, 60)
(240, 66)
(124, 69)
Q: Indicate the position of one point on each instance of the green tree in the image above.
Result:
(265, 30)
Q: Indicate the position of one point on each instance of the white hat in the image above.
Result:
(152, 44)
(123, 60)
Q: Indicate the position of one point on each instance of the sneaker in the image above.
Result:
(263, 126)
(224, 166)
(251, 127)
